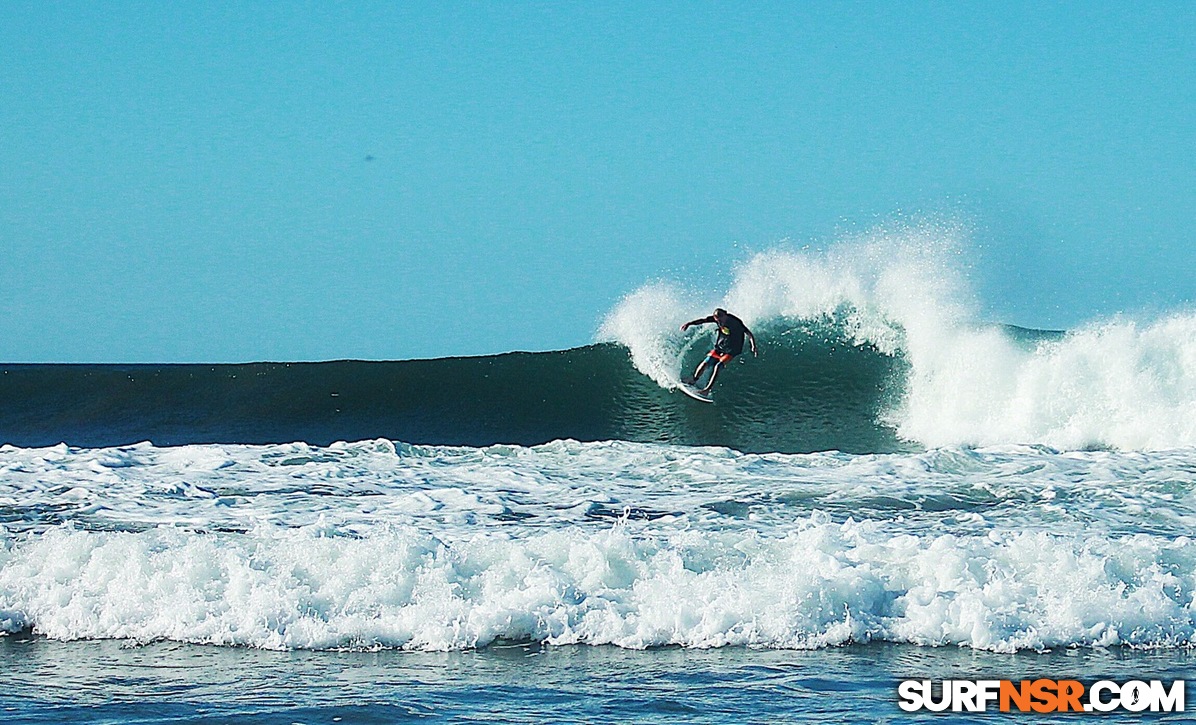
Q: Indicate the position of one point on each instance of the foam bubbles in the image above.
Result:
(372, 544)
(823, 584)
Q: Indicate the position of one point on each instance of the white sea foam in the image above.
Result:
(1119, 383)
(1125, 383)
(822, 584)
(647, 321)
(374, 544)
(452, 491)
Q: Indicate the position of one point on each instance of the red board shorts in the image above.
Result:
(719, 357)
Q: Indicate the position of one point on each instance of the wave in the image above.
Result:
(824, 584)
(872, 346)
(902, 294)
(822, 394)
(379, 544)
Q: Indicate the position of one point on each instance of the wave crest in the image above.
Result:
(904, 293)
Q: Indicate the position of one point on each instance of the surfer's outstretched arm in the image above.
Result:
(691, 323)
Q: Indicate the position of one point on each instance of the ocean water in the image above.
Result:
(892, 490)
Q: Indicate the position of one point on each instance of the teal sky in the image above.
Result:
(247, 181)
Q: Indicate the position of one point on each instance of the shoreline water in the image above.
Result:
(113, 681)
(169, 682)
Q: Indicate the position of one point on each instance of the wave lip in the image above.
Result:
(823, 585)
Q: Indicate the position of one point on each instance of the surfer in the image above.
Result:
(731, 332)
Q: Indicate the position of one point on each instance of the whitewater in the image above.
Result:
(893, 471)
(372, 545)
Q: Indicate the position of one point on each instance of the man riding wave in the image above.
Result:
(731, 332)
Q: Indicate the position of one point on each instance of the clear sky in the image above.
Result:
(256, 180)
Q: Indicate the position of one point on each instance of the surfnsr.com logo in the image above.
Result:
(1040, 696)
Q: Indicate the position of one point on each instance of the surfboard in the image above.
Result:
(695, 393)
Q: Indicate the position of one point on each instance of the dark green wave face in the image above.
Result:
(806, 392)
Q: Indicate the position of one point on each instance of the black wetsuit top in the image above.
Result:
(730, 335)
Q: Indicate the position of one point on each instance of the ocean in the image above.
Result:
(892, 490)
